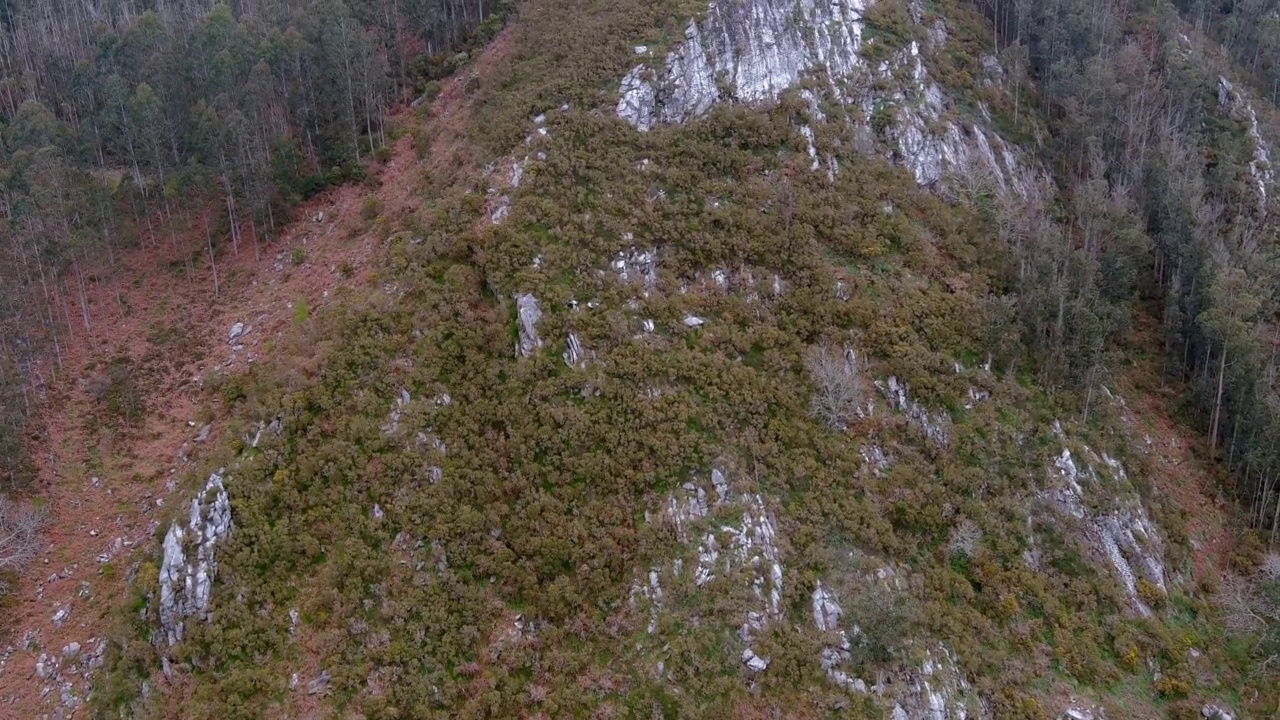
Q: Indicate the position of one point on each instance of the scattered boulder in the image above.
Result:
(320, 684)
(575, 356)
(1213, 711)
(754, 662)
(528, 314)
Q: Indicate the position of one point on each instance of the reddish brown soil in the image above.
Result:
(1180, 467)
(105, 483)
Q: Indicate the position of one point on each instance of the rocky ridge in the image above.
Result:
(752, 51)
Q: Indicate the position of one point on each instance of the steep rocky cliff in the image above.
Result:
(752, 51)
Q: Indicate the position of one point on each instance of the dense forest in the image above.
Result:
(123, 124)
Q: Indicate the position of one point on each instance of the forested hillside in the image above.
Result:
(570, 358)
(1167, 164)
(196, 125)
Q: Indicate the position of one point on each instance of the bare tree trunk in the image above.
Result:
(213, 265)
(1217, 404)
(1275, 525)
(84, 300)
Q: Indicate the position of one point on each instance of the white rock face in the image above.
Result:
(758, 47)
(751, 51)
(186, 583)
(1260, 165)
(529, 314)
(1123, 534)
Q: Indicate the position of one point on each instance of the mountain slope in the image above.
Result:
(706, 382)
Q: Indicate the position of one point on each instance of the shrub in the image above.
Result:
(300, 312)
(881, 118)
(370, 208)
(1150, 593)
(1172, 686)
(885, 617)
(115, 390)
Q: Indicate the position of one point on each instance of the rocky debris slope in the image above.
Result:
(68, 673)
(752, 51)
(933, 690)
(1260, 164)
(1120, 534)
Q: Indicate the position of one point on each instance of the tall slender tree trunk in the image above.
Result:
(1217, 404)
(213, 265)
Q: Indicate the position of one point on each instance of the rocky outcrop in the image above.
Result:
(933, 690)
(751, 51)
(503, 184)
(190, 559)
(639, 266)
(937, 691)
(401, 404)
(935, 425)
(1123, 534)
(528, 314)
